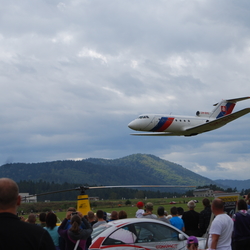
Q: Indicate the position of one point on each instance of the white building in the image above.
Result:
(26, 198)
(205, 192)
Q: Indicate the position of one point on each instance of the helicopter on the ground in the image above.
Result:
(83, 204)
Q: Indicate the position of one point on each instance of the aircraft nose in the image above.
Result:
(132, 125)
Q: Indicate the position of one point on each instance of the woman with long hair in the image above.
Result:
(78, 233)
(52, 228)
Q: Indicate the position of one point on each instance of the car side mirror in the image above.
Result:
(181, 237)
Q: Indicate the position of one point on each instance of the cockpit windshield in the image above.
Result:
(143, 117)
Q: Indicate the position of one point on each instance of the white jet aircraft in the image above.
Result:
(168, 125)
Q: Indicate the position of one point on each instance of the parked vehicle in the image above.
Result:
(139, 233)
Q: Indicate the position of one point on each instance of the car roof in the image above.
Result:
(124, 222)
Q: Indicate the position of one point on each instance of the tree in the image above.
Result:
(139, 194)
(127, 202)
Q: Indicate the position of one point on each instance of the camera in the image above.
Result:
(74, 213)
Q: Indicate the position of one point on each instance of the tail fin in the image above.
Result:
(225, 107)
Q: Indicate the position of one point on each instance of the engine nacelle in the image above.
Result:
(203, 114)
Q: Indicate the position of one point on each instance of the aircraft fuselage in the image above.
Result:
(163, 123)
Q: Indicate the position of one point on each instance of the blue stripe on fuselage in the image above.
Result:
(159, 124)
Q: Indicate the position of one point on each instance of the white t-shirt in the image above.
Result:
(223, 226)
(139, 213)
(151, 216)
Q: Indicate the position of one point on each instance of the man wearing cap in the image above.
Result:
(191, 220)
(149, 211)
(139, 213)
(221, 229)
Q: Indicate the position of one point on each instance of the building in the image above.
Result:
(94, 198)
(26, 198)
(205, 192)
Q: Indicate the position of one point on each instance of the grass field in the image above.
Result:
(109, 206)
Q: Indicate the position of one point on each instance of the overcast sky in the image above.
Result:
(74, 73)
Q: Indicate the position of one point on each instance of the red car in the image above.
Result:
(172, 202)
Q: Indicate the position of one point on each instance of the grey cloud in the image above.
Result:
(75, 73)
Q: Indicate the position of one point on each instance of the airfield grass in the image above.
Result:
(108, 206)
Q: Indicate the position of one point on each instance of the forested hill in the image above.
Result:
(133, 169)
(240, 184)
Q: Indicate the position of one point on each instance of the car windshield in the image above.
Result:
(98, 230)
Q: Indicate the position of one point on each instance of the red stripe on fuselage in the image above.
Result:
(166, 124)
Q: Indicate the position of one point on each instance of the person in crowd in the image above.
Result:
(149, 211)
(52, 228)
(72, 211)
(192, 243)
(31, 219)
(42, 218)
(205, 216)
(161, 215)
(14, 233)
(140, 211)
(175, 220)
(75, 235)
(221, 229)
(241, 233)
(100, 220)
(91, 218)
(113, 216)
(247, 198)
(105, 216)
(180, 211)
(122, 215)
(191, 220)
(168, 216)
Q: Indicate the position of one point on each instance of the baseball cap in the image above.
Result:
(192, 239)
(140, 204)
(149, 205)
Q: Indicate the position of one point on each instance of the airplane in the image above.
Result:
(169, 125)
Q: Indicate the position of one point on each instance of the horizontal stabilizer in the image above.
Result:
(235, 100)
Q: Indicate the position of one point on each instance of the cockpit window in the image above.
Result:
(143, 116)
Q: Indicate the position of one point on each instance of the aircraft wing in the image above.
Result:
(217, 123)
(157, 134)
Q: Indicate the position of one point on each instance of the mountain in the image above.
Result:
(137, 169)
(245, 184)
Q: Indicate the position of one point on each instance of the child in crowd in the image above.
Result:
(140, 211)
(192, 243)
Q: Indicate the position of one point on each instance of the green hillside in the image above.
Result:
(133, 169)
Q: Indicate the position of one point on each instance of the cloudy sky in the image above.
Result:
(74, 73)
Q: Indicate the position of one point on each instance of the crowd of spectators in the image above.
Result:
(74, 232)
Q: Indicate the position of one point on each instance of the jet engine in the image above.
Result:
(203, 114)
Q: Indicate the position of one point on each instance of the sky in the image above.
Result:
(74, 73)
